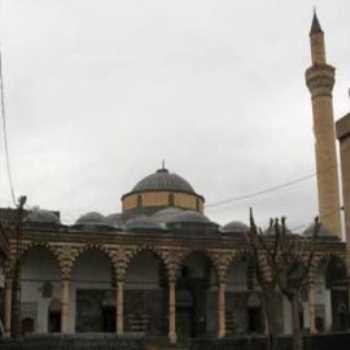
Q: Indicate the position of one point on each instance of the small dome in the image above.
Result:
(42, 216)
(92, 218)
(114, 220)
(192, 222)
(235, 227)
(323, 231)
(166, 215)
(141, 223)
(189, 216)
(163, 180)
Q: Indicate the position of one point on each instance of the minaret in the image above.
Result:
(320, 81)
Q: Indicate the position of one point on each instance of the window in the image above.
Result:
(171, 200)
(139, 201)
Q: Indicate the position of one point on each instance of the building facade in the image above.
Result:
(163, 268)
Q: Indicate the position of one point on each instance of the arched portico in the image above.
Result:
(196, 297)
(328, 296)
(237, 294)
(92, 293)
(40, 278)
(336, 283)
(146, 295)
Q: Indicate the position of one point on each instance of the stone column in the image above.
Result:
(65, 317)
(172, 312)
(221, 310)
(8, 306)
(311, 308)
(120, 308)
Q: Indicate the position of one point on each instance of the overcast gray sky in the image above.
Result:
(99, 92)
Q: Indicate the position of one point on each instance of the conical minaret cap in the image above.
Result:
(315, 26)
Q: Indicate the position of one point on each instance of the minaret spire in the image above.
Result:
(318, 48)
(315, 26)
(320, 78)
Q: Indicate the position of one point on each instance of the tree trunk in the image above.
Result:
(271, 336)
(297, 334)
(267, 323)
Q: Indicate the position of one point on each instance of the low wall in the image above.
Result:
(338, 341)
(335, 341)
(81, 342)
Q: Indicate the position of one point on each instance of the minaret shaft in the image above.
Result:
(318, 48)
(320, 79)
(326, 164)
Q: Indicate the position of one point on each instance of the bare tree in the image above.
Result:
(282, 262)
(268, 286)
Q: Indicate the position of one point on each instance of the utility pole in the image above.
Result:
(16, 300)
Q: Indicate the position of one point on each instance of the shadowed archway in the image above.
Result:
(40, 284)
(92, 298)
(336, 282)
(146, 295)
(196, 297)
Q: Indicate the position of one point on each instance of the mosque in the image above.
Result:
(161, 267)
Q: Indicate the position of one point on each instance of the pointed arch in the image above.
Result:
(26, 249)
(159, 253)
(199, 252)
(100, 248)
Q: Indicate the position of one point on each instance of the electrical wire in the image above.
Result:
(4, 125)
(261, 192)
(271, 189)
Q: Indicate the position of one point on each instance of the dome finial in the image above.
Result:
(163, 169)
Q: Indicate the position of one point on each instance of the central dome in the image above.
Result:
(163, 180)
(160, 190)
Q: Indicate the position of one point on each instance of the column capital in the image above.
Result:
(222, 281)
(172, 279)
(120, 283)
